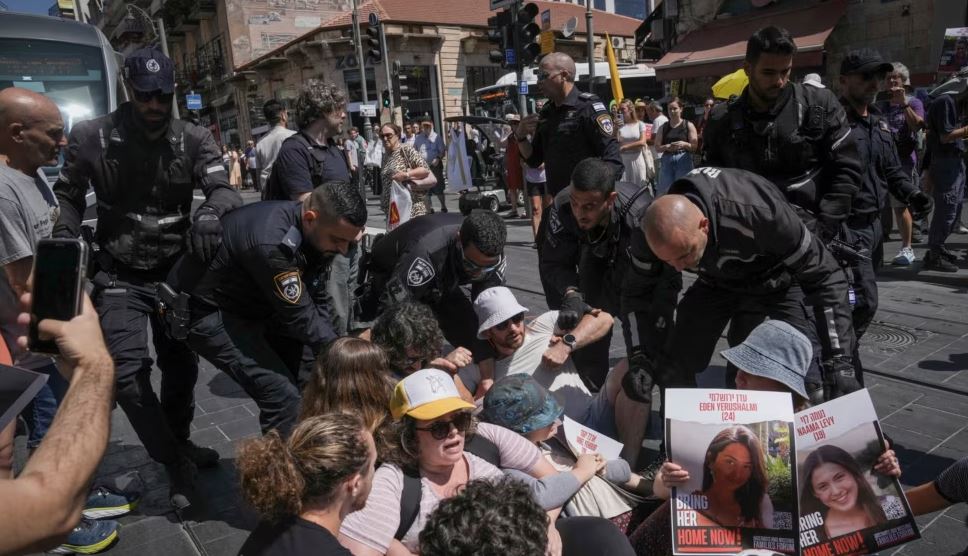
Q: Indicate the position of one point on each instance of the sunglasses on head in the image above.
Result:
(146, 96)
(441, 429)
(516, 319)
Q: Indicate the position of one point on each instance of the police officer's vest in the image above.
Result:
(319, 159)
(143, 209)
(786, 150)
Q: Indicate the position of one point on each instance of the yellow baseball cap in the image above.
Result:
(425, 395)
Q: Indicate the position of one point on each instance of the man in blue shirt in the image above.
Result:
(430, 145)
(946, 147)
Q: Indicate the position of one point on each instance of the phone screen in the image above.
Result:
(56, 286)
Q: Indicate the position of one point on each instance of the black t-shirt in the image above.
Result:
(292, 537)
(300, 168)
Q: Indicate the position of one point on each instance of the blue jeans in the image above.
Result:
(948, 177)
(674, 166)
(40, 413)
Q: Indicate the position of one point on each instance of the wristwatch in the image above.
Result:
(570, 341)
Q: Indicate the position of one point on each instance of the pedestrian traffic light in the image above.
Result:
(385, 95)
(372, 46)
(527, 32)
(497, 33)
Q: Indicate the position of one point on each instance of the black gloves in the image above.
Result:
(206, 234)
(920, 204)
(637, 382)
(839, 377)
(573, 308)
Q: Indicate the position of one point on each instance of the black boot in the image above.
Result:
(201, 457)
(181, 483)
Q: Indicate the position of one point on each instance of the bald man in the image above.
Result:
(755, 260)
(31, 136)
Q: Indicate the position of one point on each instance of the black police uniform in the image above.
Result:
(802, 144)
(423, 260)
(760, 260)
(616, 271)
(302, 165)
(144, 199)
(882, 174)
(253, 310)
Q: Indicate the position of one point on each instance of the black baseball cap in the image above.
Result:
(148, 69)
(865, 60)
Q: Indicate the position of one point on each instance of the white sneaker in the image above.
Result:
(904, 257)
(961, 229)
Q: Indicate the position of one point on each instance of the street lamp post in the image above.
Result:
(367, 131)
(589, 29)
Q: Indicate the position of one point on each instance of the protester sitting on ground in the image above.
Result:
(432, 423)
(536, 348)
(520, 403)
(950, 487)
(52, 489)
(350, 376)
(774, 357)
(487, 518)
(305, 486)
(411, 337)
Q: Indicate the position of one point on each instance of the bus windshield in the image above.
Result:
(71, 75)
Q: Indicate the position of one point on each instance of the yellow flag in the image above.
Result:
(617, 93)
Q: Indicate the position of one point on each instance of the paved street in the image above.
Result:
(916, 353)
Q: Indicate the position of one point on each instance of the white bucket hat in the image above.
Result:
(494, 306)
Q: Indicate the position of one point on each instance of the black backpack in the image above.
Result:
(410, 498)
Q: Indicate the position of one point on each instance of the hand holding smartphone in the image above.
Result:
(60, 267)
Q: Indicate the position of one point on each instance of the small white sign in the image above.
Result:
(583, 440)
(368, 110)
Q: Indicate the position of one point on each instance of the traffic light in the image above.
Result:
(385, 95)
(527, 32)
(397, 81)
(497, 33)
(372, 47)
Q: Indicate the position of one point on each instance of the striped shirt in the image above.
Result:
(952, 483)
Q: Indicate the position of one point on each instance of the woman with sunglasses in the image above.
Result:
(432, 423)
(404, 165)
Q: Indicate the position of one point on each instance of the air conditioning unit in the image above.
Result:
(618, 42)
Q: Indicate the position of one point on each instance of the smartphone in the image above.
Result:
(60, 268)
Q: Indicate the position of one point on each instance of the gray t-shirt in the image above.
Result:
(28, 211)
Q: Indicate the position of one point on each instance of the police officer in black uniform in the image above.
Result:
(253, 310)
(571, 127)
(754, 257)
(795, 136)
(860, 73)
(595, 255)
(143, 166)
(428, 259)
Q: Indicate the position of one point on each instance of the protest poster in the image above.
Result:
(17, 388)
(583, 440)
(736, 446)
(845, 508)
(954, 50)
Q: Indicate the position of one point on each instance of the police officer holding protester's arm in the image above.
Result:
(595, 256)
(860, 73)
(795, 136)
(755, 259)
(143, 166)
(253, 310)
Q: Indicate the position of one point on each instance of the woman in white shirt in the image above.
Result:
(632, 141)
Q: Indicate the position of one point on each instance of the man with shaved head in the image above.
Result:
(571, 127)
(756, 260)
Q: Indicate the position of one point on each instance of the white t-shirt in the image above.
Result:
(564, 381)
(656, 126)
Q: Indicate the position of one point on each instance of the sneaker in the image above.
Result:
(904, 257)
(935, 261)
(89, 537)
(961, 229)
(181, 479)
(201, 457)
(104, 502)
(947, 255)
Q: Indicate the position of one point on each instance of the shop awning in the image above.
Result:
(720, 46)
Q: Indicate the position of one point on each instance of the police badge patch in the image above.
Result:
(420, 272)
(605, 124)
(554, 222)
(152, 65)
(288, 286)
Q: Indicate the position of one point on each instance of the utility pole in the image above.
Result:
(590, 30)
(163, 39)
(518, 63)
(368, 131)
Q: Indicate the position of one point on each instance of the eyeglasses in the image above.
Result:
(541, 75)
(146, 96)
(475, 269)
(516, 320)
(388, 135)
(415, 360)
(441, 429)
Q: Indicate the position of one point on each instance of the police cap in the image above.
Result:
(148, 69)
(865, 60)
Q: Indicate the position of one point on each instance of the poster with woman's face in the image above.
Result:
(845, 507)
(954, 50)
(741, 494)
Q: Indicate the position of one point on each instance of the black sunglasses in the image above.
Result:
(146, 96)
(516, 319)
(441, 429)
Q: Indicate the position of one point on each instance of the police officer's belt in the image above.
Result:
(148, 220)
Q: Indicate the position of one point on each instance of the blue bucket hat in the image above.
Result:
(777, 351)
(519, 403)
